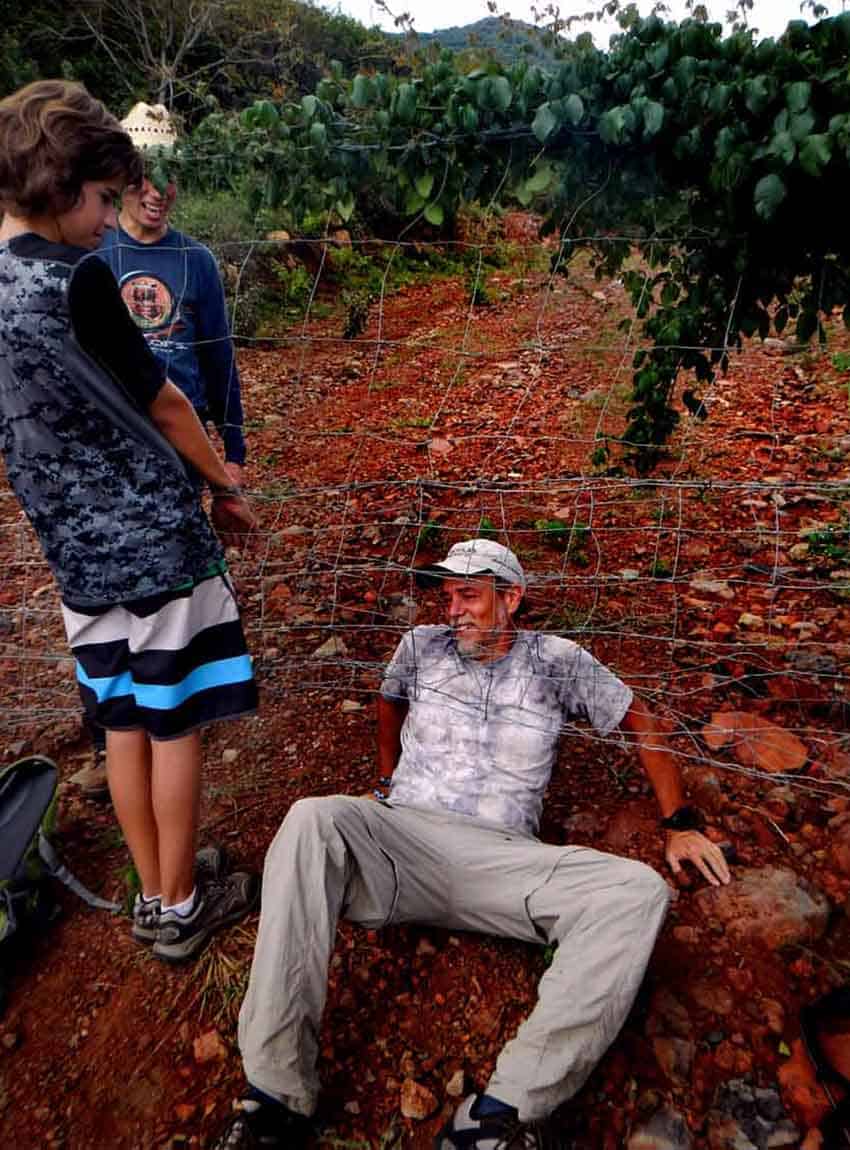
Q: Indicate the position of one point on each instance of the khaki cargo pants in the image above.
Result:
(379, 864)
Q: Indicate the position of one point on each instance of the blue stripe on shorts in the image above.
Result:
(222, 673)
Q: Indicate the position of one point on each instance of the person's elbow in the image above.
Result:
(170, 407)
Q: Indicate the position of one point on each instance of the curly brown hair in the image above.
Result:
(54, 137)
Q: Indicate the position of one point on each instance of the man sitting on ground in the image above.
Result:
(470, 717)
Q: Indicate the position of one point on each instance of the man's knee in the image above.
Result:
(646, 887)
(308, 820)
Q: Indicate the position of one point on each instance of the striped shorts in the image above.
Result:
(166, 664)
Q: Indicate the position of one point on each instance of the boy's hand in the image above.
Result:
(233, 519)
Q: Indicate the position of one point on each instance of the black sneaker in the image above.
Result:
(218, 903)
(259, 1126)
(210, 864)
(468, 1129)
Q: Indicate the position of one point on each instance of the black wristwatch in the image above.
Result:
(683, 819)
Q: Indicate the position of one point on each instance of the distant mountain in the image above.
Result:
(505, 39)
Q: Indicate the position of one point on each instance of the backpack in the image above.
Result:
(28, 860)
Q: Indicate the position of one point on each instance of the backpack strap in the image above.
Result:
(49, 857)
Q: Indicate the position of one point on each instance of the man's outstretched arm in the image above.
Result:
(658, 762)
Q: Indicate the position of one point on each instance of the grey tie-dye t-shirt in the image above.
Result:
(480, 739)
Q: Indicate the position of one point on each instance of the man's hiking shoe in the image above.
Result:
(259, 1126)
(91, 779)
(210, 864)
(218, 903)
(468, 1129)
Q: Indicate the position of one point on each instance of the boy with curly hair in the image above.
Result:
(103, 453)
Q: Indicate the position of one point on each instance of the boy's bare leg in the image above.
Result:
(128, 770)
(176, 793)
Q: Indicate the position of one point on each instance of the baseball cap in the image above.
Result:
(476, 557)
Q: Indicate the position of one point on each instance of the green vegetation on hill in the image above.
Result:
(501, 38)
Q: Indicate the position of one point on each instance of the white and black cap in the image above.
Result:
(476, 557)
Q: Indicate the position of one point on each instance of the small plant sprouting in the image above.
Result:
(429, 534)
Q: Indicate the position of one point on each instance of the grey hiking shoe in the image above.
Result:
(218, 903)
(210, 864)
(145, 919)
(468, 1129)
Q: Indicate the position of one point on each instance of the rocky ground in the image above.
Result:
(719, 587)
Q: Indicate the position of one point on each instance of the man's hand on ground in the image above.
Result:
(233, 519)
(695, 848)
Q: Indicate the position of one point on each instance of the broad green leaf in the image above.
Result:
(469, 119)
(783, 147)
(424, 184)
(770, 191)
(801, 126)
(361, 91)
(345, 207)
(719, 99)
(815, 154)
(406, 103)
(798, 95)
(574, 108)
(545, 122)
(523, 194)
(434, 214)
(318, 135)
(413, 203)
(309, 106)
(540, 180)
(502, 92)
(653, 118)
(611, 125)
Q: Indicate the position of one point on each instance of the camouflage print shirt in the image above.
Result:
(113, 505)
(481, 739)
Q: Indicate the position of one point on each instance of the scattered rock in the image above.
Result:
(771, 906)
(417, 1101)
(350, 706)
(331, 648)
(713, 997)
(456, 1084)
(706, 586)
(744, 1117)
(209, 1047)
(755, 741)
(10, 1039)
(675, 1056)
(803, 1094)
(839, 851)
(665, 1130)
(229, 755)
(439, 446)
(352, 1107)
(753, 622)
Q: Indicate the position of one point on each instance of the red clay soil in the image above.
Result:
(693, 585)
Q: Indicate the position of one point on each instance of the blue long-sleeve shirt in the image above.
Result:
(173, 290)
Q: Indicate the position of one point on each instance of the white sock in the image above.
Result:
(183, 908)
(151, 897)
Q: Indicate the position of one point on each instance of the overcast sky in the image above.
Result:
(770, 17)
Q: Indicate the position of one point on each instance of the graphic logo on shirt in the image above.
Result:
(148, 301)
